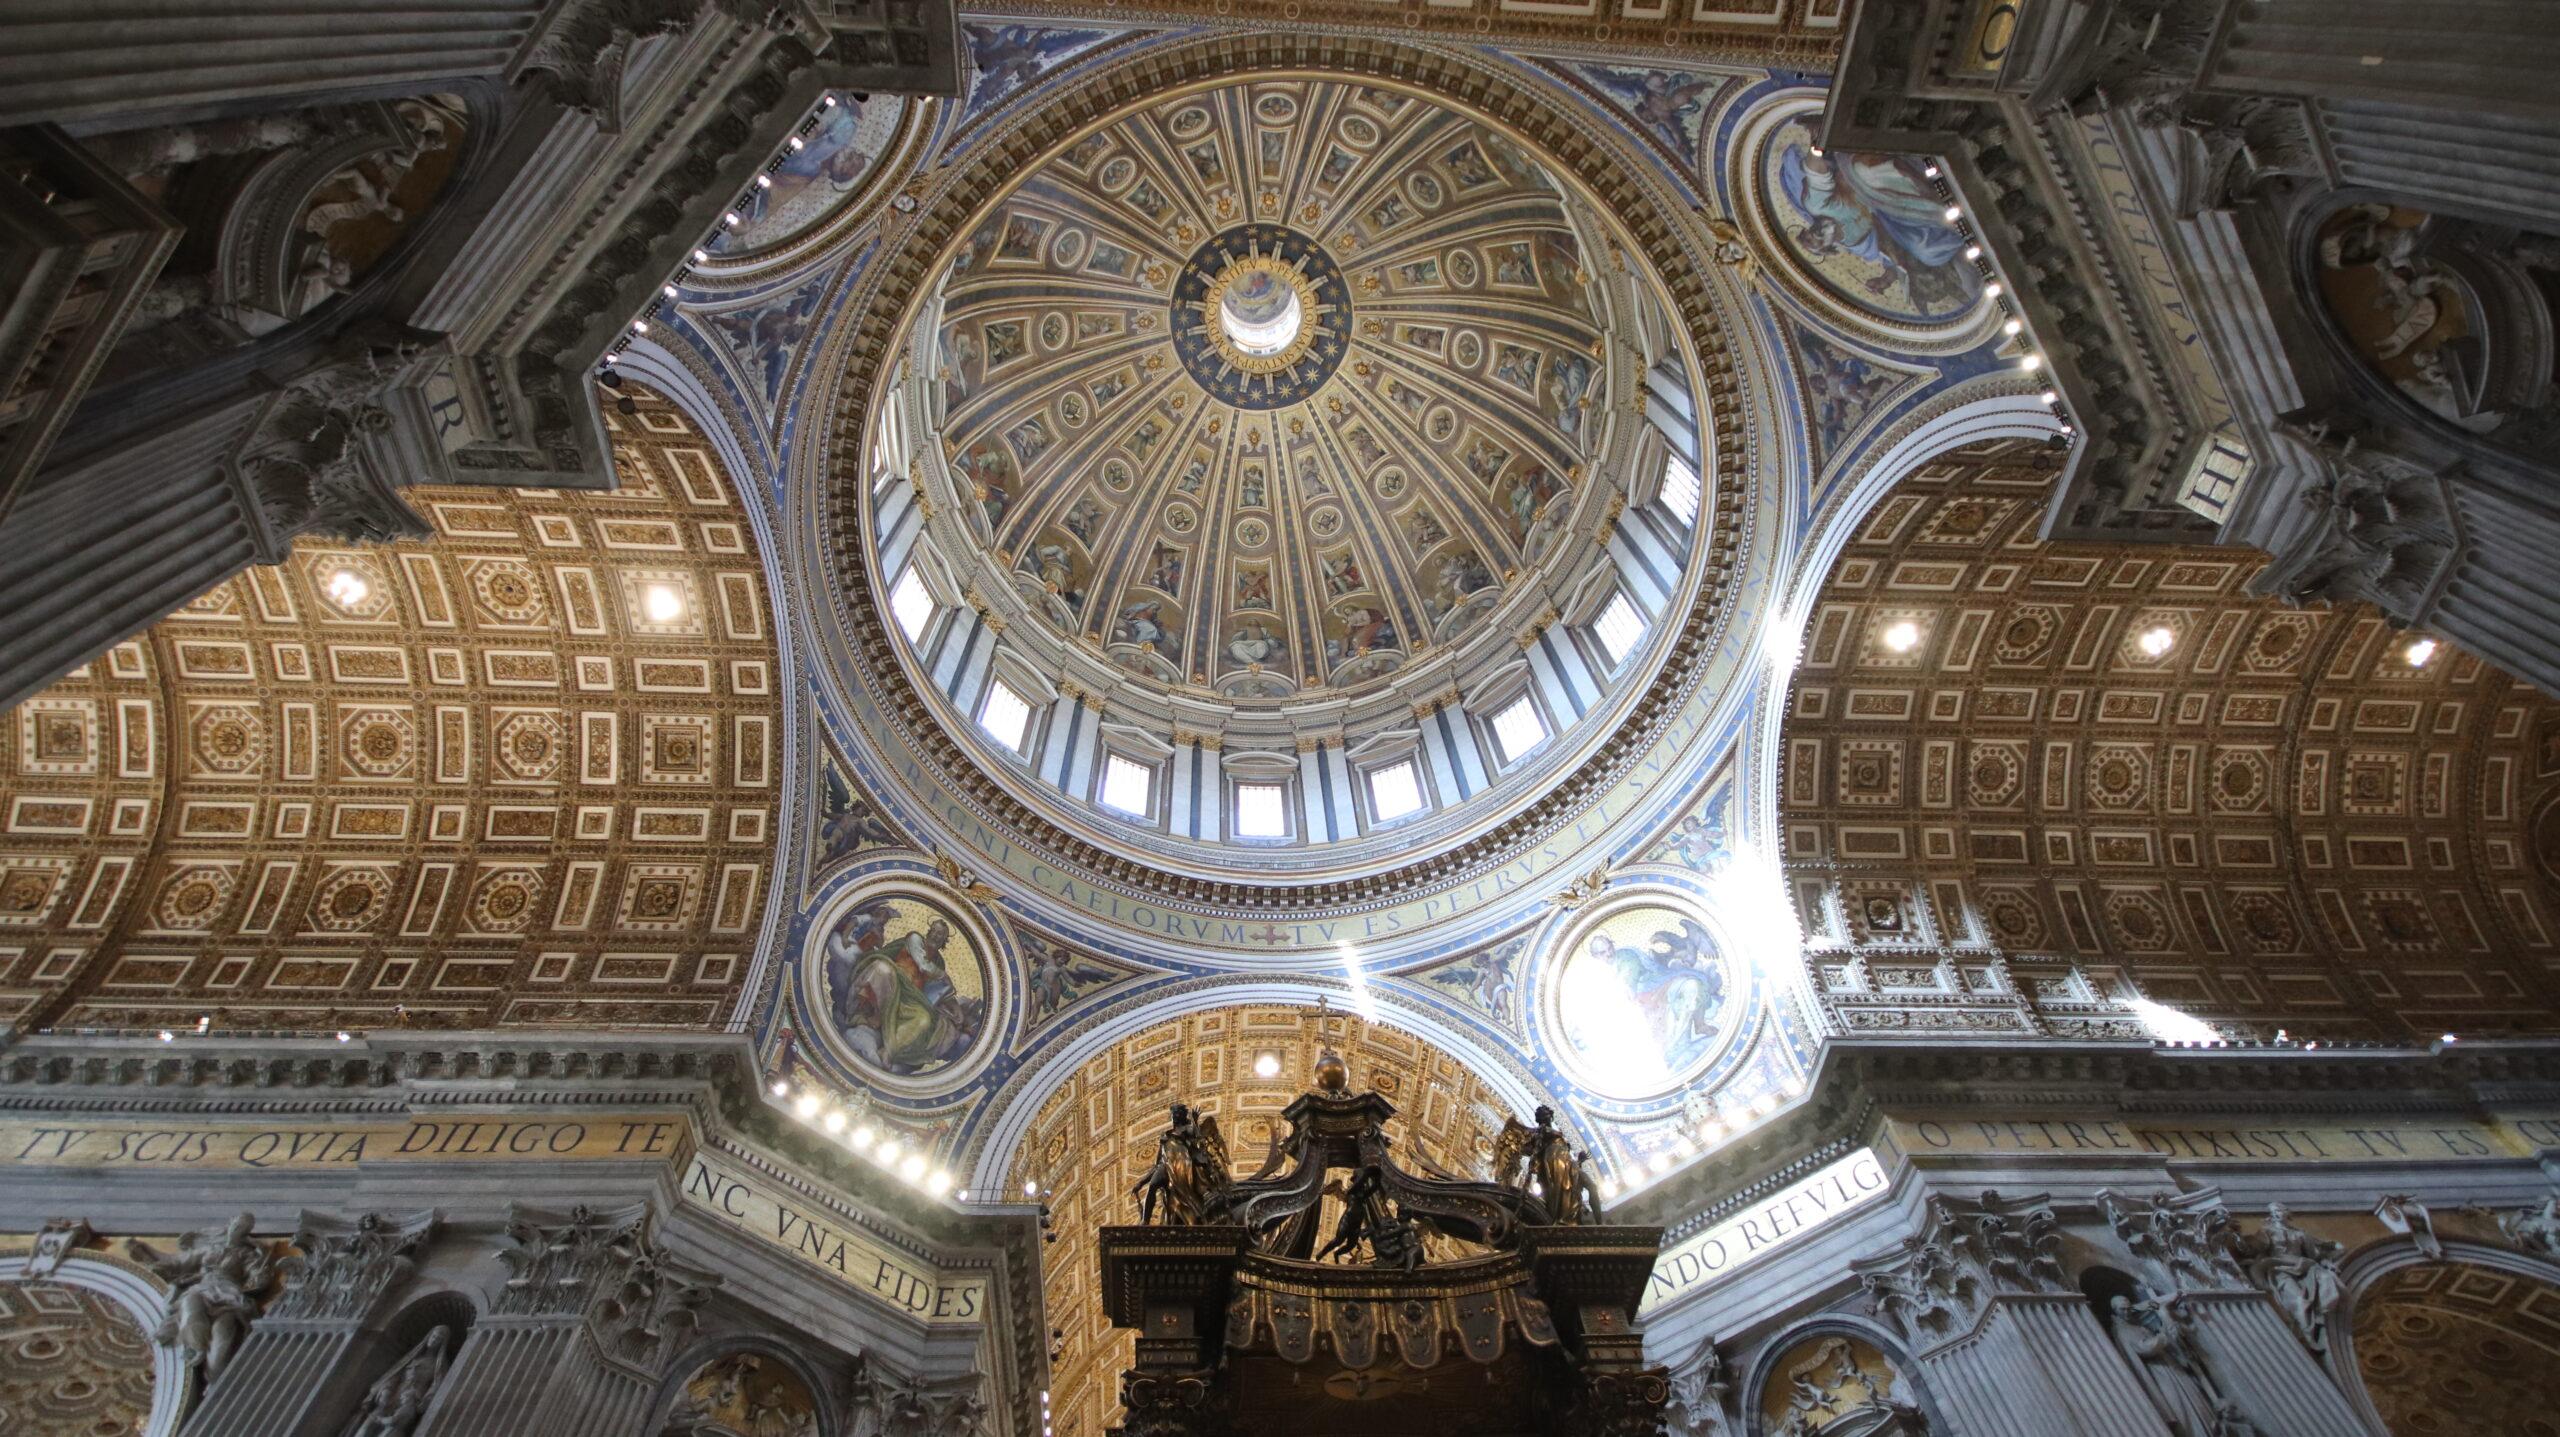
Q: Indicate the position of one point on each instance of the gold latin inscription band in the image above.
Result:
(824, 1242)
(307, 1146)
(2237, 1140)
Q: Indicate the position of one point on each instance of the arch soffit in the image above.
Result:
(2364, 1269)
(146, 1300)
(1017, 1104)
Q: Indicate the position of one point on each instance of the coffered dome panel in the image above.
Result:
(1275, 421)
(1263, 520)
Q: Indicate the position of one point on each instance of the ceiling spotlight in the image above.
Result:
(168, 1037)
(1765, 1103)
(1714, 1130)
(731, 218)
(702, 256)
(781, 1089)
(913, 1168)
(670, 289)
(1814, 150)
(1661, 1162)
(887, 1152)
(639, 326)
(2157, 640)
(2013, 326)
(1902, 637)
(764, 182)
(828, 103)
(2419, 652)
(861, 1137)
(1030, 1187)
(807, 1107)
(797, 143)
(347, 588)
(1931, 172)
(2032, 363)
(1992, 289)
(345, 1036)
(1267, 1066)
(661, 604)
(939, 1183)
(1954, 213)
(2450, 1038)
(1973, 251)
(2050, 397)
(835, 1120)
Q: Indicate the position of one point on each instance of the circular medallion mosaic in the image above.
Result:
(1642, 998)
(902, 984)
(1261, 316)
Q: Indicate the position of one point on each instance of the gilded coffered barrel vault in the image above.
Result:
(748, 720)
(522, 772)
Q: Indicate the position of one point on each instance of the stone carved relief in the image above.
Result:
(2381, 530)
(1698, 1391)
(344, 1268)
(2299, 1271)
(2250, 145)
(2157, 1337)
(2535, 1229)
(2409, 1217)
(1966, 1255)
(2143, 51)
(657, 1303)
(61, 1237)
(892, 1403)
(306, 468)
(218, 1277)
(556, 1263)
(2184, 1240)
(394, 1406)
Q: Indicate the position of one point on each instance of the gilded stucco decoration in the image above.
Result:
(2023, 780)
(522, 772)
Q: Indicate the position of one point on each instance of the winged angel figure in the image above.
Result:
(1543, 1159)
(1191, 1171)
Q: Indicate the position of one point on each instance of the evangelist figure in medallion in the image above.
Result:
(904, 988)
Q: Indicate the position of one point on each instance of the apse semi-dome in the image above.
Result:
(1284, 471)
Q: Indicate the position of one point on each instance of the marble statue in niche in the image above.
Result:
(395, 1405)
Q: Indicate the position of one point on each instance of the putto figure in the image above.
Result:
(219, 1275)
(1190, 1174)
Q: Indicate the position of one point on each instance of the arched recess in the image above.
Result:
(136, 1295)
(2479, 1329)
(733, 1386)
(2021, 781)
(1871, 1385)
(400, 1366)
(1095, 1130)
(1028, 1093)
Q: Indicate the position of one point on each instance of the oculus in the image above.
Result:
(1261, 316)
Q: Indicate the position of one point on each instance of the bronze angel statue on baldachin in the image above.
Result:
(1191, 1171)
(1543, 1159)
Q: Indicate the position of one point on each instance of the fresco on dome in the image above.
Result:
(1669, 105)
(832, 162)
(1639, 1001)
(1870, 227)
(905, 989)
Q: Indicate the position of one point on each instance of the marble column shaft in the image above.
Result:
(2038, 1366)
